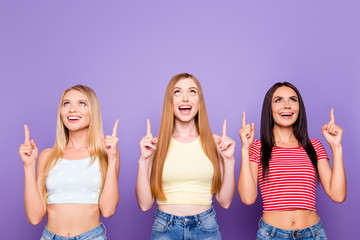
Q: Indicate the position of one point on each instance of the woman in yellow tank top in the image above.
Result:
(184, 166)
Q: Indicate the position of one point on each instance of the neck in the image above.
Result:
(284, 136)
(185, 130)
(77, 139)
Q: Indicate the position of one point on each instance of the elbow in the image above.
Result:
(226, 205)
(108, 213)
(339, 199)
(248, 202)
(247, 199)
(34, 221)
(144, 207)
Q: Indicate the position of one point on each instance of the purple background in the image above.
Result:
(128, 50)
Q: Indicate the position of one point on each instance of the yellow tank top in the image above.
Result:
(187, 174)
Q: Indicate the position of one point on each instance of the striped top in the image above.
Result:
(291, 177)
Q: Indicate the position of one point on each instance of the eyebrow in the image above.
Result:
(188, 88)
(294, 96)
(80, 100)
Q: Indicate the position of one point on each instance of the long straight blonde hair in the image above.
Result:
(93, 142)
(167, 129)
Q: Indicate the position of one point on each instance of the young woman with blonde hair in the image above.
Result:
(76, 180)
(184, 166)
(286, 163)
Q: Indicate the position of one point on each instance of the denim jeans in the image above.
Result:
(267, 232)
(200, 227)
(98, 233)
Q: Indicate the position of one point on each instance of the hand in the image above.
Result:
(332, 132)
(147, 143)
(247, 133)
(225, 145)
(28, 150)
(111, 142)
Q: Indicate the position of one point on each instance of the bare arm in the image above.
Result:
(144, 195)
(110, 195)
(248, 178)
(109, 198)
(226, 149)
(333, 180)
(35, 207)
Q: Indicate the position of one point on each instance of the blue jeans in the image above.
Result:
(200, 227)
(98, 233)
(267, 232)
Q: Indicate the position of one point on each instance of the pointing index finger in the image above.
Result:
(332, 117)
(244, 120)
(148, 128)
(224, 128)
(115, 128)
(27, 133)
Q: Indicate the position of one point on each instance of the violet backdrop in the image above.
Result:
(128, 50)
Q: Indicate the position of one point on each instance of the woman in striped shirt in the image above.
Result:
(286, 163)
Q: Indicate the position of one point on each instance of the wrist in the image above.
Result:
(30, 168)
(229, 160)
(245, 149)
(336, 147)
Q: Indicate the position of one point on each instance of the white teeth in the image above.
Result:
(286, 114)
(184, 107)
(73, 118)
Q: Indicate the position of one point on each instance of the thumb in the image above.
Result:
(252, 127)
(324, 127)
(33, 145)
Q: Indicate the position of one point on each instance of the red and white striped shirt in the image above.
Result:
(291, 177)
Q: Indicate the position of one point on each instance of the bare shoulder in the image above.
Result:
(43, 156)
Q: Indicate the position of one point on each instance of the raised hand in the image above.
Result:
(28, 150)
(247, 133)
(226, 146)
(111, 142)
(331, 131)
(147, 143)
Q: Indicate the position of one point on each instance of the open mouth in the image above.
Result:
(286, 115)
(73, 118)
(185, 109)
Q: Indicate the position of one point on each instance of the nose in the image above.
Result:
(287, 104)
(185, 97)
(73, 108)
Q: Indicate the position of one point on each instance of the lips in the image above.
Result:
(286, 115)
(73, 118)
(185, 109)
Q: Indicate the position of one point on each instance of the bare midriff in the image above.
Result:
(291, 219)
(183, 209)
(70, 220)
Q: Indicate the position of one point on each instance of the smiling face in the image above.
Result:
(185, 100)
(75, 111)
(285, 107)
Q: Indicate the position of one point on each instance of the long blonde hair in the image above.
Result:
(167, 129)
(93, 142)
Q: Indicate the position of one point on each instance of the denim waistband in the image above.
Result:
(86, 235)
(184, 220)
(274, 231)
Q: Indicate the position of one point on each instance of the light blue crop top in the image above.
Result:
(74, 181)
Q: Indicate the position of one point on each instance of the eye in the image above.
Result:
(277, 100)
(293, 99)
(66, 103)
(177, 92)
(192, 92)
(82, 103)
